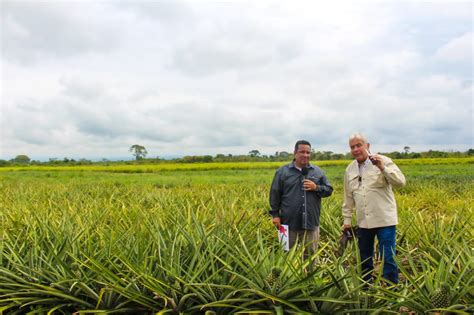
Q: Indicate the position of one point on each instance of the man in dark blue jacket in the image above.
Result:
(295, 197)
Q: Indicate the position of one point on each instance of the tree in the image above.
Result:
(254, 153)
(138, 151)
(282, 154)
(406, 149)
(21, 159)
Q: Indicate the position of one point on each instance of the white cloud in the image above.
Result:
(435, 85)
(459, 49)
(89, 79)
(34, 31)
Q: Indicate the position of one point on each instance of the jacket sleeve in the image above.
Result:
(393, 174)
(324, 187)
(348, 204)
(276, 191)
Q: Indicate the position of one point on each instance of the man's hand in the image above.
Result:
(377, 161)
(309, 185)
(277, 222)
(345, 229)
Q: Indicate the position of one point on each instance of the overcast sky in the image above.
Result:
(88, 79)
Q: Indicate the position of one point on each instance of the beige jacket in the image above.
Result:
(372, 195)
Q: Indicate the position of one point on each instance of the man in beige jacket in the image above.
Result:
(368, 183)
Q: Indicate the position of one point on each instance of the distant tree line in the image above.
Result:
(25, 160)
(139, 152)
(255, 155)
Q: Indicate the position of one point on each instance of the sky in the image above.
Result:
(89, 79)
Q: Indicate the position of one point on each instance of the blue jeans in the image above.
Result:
(386, 237)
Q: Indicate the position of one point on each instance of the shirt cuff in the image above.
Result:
(347, 221)
(274, 213)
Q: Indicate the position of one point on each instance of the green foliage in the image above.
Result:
(21, 159)
(254, 153)
(198, 240)
(138, 151)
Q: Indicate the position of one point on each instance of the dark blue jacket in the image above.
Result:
(287, 197)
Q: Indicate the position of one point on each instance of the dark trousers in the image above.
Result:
(386, 237)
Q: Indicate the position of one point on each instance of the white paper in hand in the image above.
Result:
(283, 236)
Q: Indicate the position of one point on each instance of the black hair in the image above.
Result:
(304, 142)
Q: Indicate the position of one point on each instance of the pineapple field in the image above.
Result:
(197, 239)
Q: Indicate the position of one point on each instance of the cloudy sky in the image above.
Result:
(88, 79)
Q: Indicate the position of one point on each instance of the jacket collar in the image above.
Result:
(292, 165)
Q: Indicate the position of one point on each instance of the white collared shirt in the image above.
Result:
(363, 166)
(369, 191)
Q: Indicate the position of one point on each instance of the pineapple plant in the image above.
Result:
(367, 300)
(441, 296)
(178, 258)
(216, 289)
(273, 279)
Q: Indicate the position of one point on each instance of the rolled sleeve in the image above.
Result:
(393, 174)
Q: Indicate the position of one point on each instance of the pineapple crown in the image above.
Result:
(218, 279)
(275, 271)
(445, 287)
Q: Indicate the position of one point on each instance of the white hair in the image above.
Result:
(358, 135)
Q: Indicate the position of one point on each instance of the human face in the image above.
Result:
(302, 155)
(359, 149)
